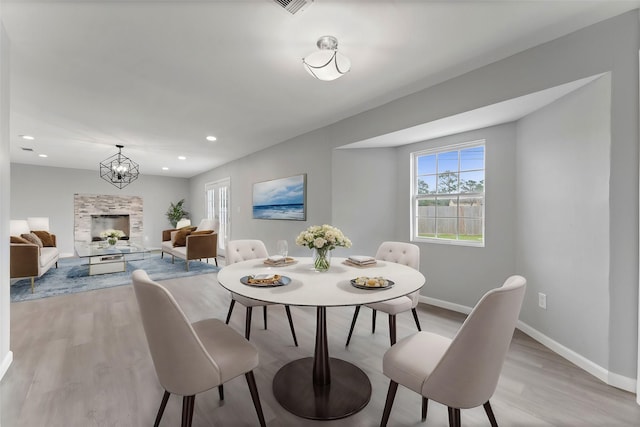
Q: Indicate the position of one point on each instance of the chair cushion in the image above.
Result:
(32, 238)
(180, 236)
(233, 354)
(393, 306)
(18, 239)
(45, 237)
(47, 255)
(411, 360)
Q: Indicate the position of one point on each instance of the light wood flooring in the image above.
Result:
(82, 360)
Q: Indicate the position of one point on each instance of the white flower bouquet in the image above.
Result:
(112, 233)
(323, 239)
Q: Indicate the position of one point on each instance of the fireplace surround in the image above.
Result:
(113, 209)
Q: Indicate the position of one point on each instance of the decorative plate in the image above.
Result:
(359, 283)
(265, 281)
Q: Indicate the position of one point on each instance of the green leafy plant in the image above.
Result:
(176, 212)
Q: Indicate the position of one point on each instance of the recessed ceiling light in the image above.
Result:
(42, 155)
(29, 137)
(164, 168)
(211, 138)
(182, 158)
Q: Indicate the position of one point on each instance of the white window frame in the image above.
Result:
(415, 196)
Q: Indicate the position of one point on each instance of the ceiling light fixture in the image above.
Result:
(27, 137)
(43, 155)
(211, 138)
(119, 170)
(182, 158)
(327, 63)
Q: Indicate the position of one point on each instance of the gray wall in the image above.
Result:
(563, 203)
(364, 187)
(310, 154)
(45, 191)
(462, 274)
(609, 46)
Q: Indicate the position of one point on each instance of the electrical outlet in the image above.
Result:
(542, 300)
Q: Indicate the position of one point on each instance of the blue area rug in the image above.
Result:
(72, 275)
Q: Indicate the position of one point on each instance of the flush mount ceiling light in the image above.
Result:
(327, 63)
(119, 170)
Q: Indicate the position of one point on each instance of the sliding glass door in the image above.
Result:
(217, 199)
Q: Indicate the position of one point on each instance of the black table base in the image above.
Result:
(321, 387)
(348, 392)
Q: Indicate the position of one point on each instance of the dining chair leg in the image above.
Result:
(293, 330)
(489, 411)
(392, 328)
(188, 403)
(425, 405)
(253, 389)
(221, 391)
(264, 315)
(233, 303)
(353, 324)
(391, 394)
(165, 398)
(454, 417)
(216, 260)
(187, 262)
(415, 317)
(373, 321)
(247, 323)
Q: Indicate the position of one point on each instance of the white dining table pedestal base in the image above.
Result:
(320, 387)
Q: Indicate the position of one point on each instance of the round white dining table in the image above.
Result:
(321, 387)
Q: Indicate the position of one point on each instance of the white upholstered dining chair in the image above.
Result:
(190, 358)
(462, 372)
(400, 253)
(244, 250)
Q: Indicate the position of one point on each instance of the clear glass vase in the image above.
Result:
(112, 241)
(321, 259)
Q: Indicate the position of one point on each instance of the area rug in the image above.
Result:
(72, 275)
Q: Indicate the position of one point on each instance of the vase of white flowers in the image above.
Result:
(112, 236)
(322, 239)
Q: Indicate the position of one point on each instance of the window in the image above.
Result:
(448, 194)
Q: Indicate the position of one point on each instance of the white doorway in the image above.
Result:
(217, 196)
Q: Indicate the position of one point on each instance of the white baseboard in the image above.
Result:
(6, 362)
(610, 378)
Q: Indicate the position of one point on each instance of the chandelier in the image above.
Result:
(119, 170)
(327, 63)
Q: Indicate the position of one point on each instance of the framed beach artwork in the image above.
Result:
(283, 198)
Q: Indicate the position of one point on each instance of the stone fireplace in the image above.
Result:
(94, 213)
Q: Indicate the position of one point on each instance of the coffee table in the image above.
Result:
(109, 259)
(321, 387)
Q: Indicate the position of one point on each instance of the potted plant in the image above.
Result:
(176, 212)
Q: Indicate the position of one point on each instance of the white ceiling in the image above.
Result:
(159, 76)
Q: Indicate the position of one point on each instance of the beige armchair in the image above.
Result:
(191, 243)
(462, 372)
(190, 358)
